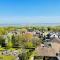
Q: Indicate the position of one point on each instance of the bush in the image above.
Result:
(28, 45)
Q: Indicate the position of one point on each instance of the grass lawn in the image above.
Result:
(3, 57)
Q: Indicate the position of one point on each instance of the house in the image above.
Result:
(37, 33)
(44, 53)
(49, 52)
(47, 37)
(58, 33)
(54, 35)
(55, 44)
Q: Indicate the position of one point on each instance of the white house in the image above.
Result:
(54, 35)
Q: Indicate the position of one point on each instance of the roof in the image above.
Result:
(58, 33)
(45, 51)
(55, 40)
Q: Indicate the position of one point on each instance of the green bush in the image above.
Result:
(28, 44)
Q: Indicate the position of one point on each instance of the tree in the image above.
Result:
(28, 36)
(28, 45)
(36, 41)
(23, 30)
(2, 31)
(10, 28)
(8, 40)
(15, 41)
(2, 42)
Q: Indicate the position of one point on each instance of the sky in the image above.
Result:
(29, 11)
